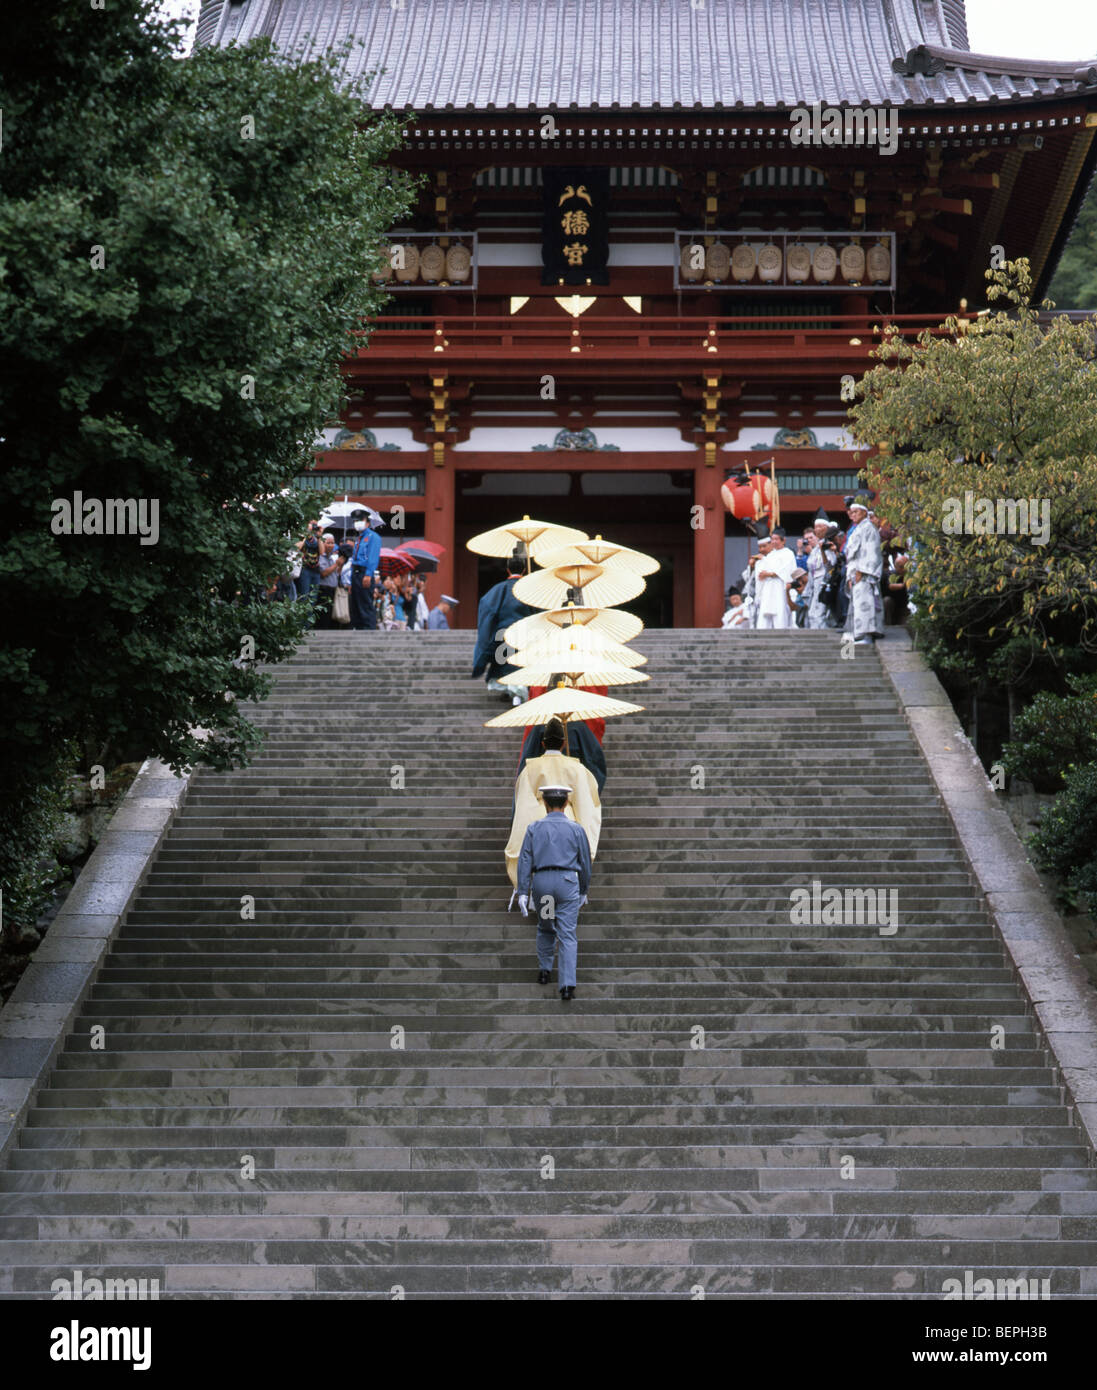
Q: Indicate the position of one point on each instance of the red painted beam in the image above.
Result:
(493, 346)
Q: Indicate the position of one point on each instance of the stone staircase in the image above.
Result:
(847, 1128)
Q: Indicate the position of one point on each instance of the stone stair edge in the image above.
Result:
(43, 1007)
(1048, 969)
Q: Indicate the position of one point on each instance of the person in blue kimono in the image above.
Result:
(581, 744)
(498, 609)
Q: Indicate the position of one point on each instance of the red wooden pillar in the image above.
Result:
(683, 585)
(708, 546)
(465, 577)
(439, 525)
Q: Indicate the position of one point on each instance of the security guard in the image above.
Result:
(554, 870)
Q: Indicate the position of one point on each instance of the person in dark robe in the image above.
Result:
(498, 609)
(581, 744)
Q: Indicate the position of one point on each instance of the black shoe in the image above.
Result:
(568, 992)
(543, 977)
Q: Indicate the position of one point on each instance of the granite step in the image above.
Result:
(674, 1164)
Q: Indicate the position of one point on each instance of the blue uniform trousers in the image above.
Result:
(562, 888)
(363, 610)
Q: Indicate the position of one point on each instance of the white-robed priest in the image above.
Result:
(552, 768)
(864, 565)
(771, 577)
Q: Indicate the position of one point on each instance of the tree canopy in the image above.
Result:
(186, 247)
(970, 423)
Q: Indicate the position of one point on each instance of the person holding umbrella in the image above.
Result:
(554, 873)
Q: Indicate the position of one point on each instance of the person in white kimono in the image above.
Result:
(881, 582)
(819, 615)
(864, 565)
(552, 768)
(771, 578)
(750, 597)
(739, 613)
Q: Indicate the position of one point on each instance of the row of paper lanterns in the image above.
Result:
(821, 264)
(405, 263)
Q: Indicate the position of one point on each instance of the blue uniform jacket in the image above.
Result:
(554, 842)
(498, 609)
(367, 553)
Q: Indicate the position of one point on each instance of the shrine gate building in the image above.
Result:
(652, 240)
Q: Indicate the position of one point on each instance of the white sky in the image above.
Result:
(1005, 28)
(1009, 28)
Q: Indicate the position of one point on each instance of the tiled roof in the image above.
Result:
(465, 55)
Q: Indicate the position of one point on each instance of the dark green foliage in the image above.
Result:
(27, 831)
(1053, 733)
(225, 260)
(1074, 284)
(1066, 841)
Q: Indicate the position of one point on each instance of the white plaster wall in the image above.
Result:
(488, 439)
(825, 434)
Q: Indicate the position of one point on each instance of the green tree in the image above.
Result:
(1074, 284)
(187, 248)
(1002, 408)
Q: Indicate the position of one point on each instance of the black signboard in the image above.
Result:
(575, 236)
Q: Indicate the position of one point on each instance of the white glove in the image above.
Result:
(583, 901)
(523, 904)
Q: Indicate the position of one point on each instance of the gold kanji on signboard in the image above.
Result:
(575, 223)
(574, 253)
(572, 192)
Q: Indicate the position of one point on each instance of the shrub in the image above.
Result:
(1052, 733)
(30, 817)
(1066, 839)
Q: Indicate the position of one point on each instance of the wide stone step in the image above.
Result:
(953, 999)
(316, 1123)
(736, 1226)
(929, 1207)
(110, 1084)
(932, 1182)
(81, 1106)
(767, 1149)
(363, 967)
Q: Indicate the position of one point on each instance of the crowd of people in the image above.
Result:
(343, 582)
(852, 580)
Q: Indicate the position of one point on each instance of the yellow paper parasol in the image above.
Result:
(600, 586)
(583, 671)
(565, 701)
(614, 623)
(538, 536)
(575, 644)
(599, 552)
